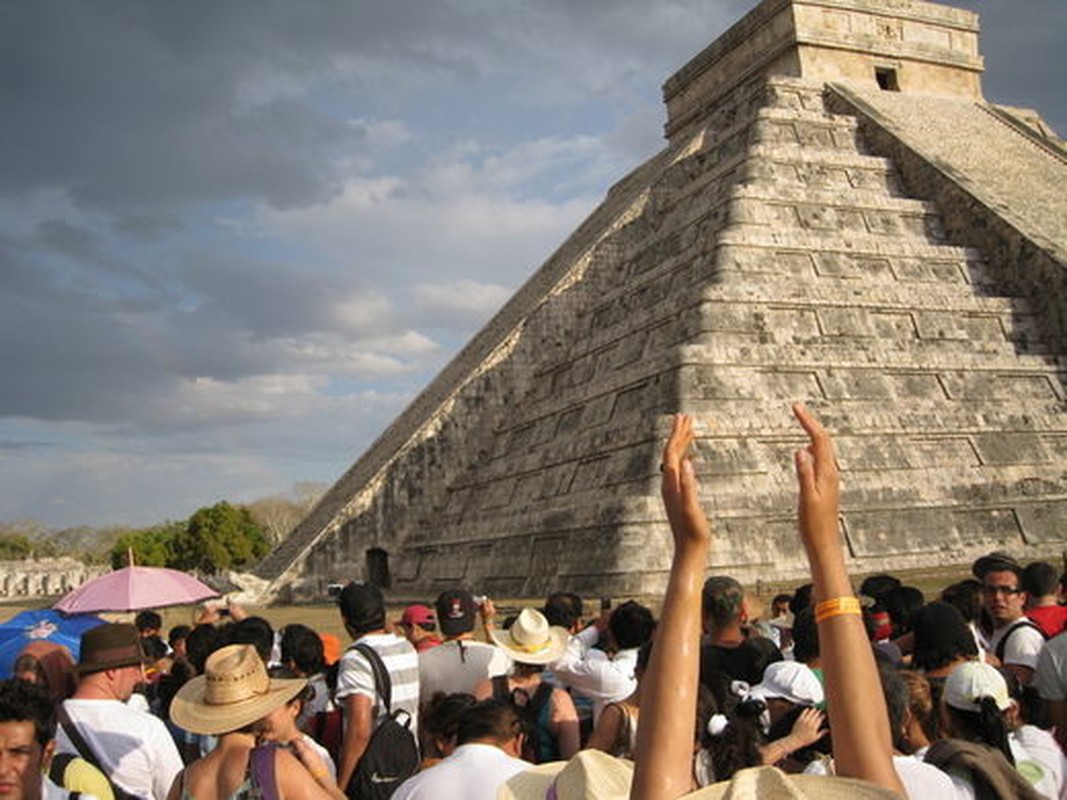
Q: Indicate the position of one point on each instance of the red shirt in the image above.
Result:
(1050, 619)
(427, 643)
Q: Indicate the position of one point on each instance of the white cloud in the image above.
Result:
(382, 133)
(472, 213)
(363, 312)
(465, 298)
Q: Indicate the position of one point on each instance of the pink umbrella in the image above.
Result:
(134, 588)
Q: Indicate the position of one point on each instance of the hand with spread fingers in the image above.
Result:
(679, 486)
(810, 726)
(817, 475)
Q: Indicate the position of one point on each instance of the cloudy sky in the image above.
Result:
(237, 237)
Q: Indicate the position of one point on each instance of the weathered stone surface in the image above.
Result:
(796, 240)
(44, 577)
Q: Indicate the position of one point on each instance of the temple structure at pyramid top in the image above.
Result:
(901, 45)
(838, 217)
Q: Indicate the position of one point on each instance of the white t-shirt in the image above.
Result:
(921, 781)
(1038, 759)
(355, 675)
(459, 666)
(134, 749)
(1023, 647)
(322, 753)
(593, 673)
(472, 772)
(321, 701)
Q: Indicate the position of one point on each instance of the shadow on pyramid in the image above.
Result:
(839, 218)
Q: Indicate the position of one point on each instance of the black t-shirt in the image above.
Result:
(744, 662)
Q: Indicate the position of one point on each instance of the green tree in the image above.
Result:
(219, 537)
(151, 547)
(14, 547)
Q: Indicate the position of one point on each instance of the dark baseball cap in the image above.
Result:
(362, 606)
(455, 612)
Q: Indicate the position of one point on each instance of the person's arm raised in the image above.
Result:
(862, 744)
(664, 755)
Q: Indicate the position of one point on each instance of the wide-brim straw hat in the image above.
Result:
(531, 640)
(233, 692)
(595, 775)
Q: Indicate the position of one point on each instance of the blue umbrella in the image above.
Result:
(45, 625)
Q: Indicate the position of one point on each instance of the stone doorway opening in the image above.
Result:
(377, 568)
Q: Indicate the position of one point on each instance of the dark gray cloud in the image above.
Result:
(1022, 43)
(135, 107)
(67, 239)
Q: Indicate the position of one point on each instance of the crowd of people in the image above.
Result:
(830, 690)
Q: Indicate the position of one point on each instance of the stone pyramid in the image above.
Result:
(839, 218)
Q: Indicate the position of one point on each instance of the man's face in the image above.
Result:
(1002, 597)
(21, 761)
(411, 632)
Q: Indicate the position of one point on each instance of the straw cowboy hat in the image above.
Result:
(595, 775)
(233, 692)
(531, 640)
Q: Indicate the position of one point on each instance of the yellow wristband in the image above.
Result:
(836, 607)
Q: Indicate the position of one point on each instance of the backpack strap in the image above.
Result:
(540, 699)
(262, 766)
(58, 768)
(1023, 622)
(382, 682)
(86, 752)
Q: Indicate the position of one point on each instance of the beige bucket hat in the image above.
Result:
(595, 775)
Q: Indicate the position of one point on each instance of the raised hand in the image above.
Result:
(679, 486)
(819, 487)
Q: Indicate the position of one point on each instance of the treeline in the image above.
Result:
(24, 539)
(215, 538)
(219, 537)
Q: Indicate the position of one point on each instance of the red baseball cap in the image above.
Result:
(418, 615)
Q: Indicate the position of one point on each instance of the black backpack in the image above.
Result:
(392, 754)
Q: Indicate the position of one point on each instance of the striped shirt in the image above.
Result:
(355, 676)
